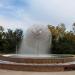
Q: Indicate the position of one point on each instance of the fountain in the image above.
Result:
(37, 41)
(34, 54)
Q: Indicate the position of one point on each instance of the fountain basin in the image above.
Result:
(38, 59)
(44, 63)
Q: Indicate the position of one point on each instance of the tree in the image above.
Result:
(74, 28)
(18, 37)
(63, 42)
(1, 29)
(60, 30)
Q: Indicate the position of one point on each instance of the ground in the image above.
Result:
(9, 72)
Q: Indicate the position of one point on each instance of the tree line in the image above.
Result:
(63, 41)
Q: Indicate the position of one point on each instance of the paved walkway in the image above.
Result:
(9, 72)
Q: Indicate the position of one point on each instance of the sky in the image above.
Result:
(24, 13)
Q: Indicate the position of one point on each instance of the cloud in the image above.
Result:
(23, 13)
(53, 11)
(12, 14)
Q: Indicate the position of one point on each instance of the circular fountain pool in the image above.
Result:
(37, 62)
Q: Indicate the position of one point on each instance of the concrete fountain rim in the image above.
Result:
(35, 67)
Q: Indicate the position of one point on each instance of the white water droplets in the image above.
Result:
(37, 40)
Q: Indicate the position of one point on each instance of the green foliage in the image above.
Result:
(63, 42)
(63, 47)
(9, 40)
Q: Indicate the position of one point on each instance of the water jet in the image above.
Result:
(37, 41)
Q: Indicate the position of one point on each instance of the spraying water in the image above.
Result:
(37, 40)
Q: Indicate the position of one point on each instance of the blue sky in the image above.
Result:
(23, 13)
